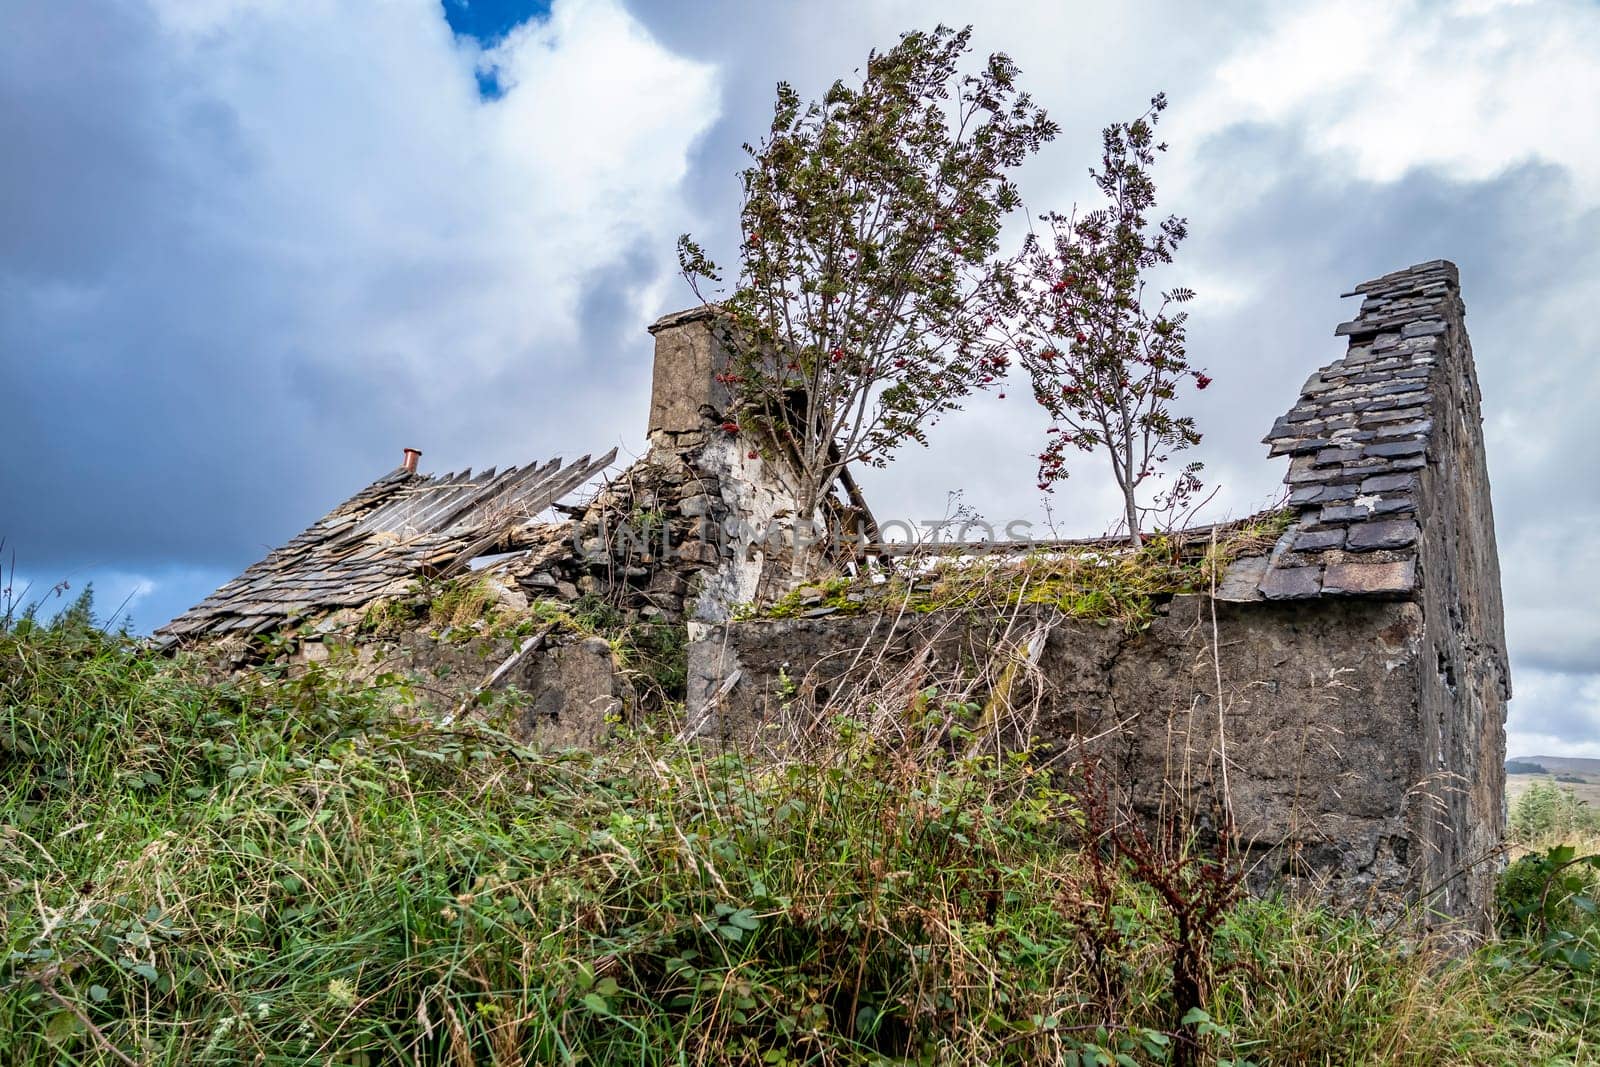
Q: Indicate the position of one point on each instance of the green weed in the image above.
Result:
(277, 871)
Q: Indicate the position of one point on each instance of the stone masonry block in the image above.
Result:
(1368, 579)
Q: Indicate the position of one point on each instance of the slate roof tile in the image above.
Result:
(1358, 434)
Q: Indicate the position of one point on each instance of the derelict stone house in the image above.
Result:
(1354, 672)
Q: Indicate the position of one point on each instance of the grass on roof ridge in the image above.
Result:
(1094, 580)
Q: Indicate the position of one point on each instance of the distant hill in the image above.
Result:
(1584, 766)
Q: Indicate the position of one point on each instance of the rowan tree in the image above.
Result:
(1105, 360)
(869, 282)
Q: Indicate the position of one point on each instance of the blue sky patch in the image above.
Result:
(488, 22)
(489, 87)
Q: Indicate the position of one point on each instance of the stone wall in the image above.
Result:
(568, 689)
(1356, 674)
(1391, 481)
(1320, 716)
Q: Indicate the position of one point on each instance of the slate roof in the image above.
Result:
(399, 528)
(1358, 440)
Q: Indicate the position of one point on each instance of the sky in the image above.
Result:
(250, 249)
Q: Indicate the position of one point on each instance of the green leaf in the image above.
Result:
(1194, 1016)
(99, 993)
(61, 1027)
(597, 1004)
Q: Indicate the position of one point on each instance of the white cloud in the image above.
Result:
(1472, 88)
(1554, 713)
(1548, 628)
(366, 174)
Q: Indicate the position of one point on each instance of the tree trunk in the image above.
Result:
(803, 535)
(1132, 516)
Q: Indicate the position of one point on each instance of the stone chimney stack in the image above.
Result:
(734, 485)
(685, 396)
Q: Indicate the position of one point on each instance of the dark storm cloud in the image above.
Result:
(139, 362)
(221, 310)
(65, 225)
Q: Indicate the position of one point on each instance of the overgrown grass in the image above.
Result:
(282, 872)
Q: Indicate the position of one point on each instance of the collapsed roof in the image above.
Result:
(402, 527)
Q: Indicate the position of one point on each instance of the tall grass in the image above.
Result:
(269, 871)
